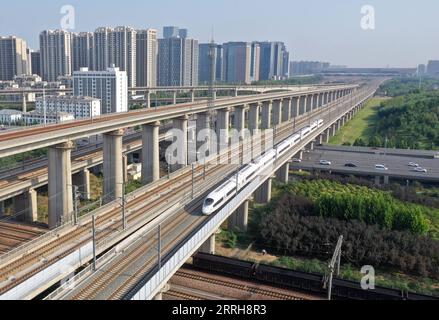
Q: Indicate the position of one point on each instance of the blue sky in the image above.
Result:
(407, 31)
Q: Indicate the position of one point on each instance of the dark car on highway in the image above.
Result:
(351, 165)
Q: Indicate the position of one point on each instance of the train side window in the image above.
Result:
(218, 203)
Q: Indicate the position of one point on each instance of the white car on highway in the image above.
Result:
(412, 164)
(419, 169)
(325, 162)
(381, 167)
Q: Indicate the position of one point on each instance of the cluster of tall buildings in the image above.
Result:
(174, 60)
(243, 62)
(308, 67)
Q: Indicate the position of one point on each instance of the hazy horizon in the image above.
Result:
(404, 35)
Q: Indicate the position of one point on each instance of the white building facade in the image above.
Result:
(10, 117)
(110, 86)
(80, 107)
(36, 118)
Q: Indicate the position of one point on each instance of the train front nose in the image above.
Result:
(207, 210)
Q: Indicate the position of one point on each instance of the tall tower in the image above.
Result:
(146, 47)
(13, 57)
(55, 54)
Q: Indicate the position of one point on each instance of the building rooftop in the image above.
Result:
(10, 112)
(68, 98)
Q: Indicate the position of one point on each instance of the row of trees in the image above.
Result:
(403, 86)
(413, 120)
(292, 229)
(348, 202)
(404, 193)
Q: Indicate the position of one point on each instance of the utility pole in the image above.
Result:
(93, 221)
(76, 195)
(237, 181)
(211, 100)
(159, 246)
(336, 259)
(124, 218)
(193, 180)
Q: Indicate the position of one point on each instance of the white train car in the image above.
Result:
(220, 196)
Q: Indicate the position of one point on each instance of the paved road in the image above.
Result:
(398, 165)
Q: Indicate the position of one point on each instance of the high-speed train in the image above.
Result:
(220, 196)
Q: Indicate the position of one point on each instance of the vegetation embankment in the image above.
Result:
(408, 120)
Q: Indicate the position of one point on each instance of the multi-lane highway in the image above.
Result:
(366, 159)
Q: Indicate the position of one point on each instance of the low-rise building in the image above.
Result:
(10, 117)
(79, 107)
(36, 118)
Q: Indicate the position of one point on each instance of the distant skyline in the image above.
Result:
(405, 35)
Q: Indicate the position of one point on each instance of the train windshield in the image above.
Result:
(209, 202)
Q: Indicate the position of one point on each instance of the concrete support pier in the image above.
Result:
(203, 125)
(208, 246)
(263, 193)
(286, 110)
(266, 115)
(25, 206)
(309, 103)
(181, 124)
(239, 219)
(223, 125)
(113, 166)
(60, 184)
(82, 181)
(302, 105)
(277, 114)
(283, 174)
(240, 120)
(2, 208)
(253, 118)
(377, 180)
(295, 107)
(150, 152)
(148, 99)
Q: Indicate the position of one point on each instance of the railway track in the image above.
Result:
(183, 295)
(85, 232)
(245, 288)
(119, 267)
(29, 259)
(105, 118)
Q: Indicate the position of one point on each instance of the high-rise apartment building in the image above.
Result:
(255, 61)
(102, 54)
(124, 48)
(13, 58)
(237, 62)
(82, 51)
(116, 46)
(79, 107)
(307, 67)
(286, 65)
(273, 56)
(110, 86)
(433, 68)
(177, 61)
(55, 54)
(205, 62)
(170, 32)
(36, 63)
(146, 55)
